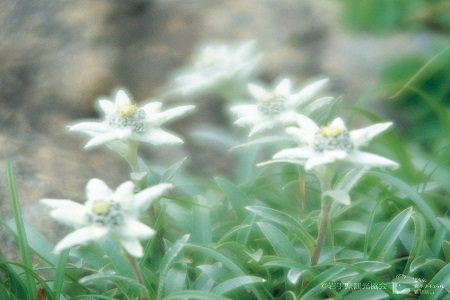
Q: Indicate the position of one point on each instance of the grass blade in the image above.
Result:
(438, 286)
(21, 234)
(390, 235)
(279, 241)
(287, 221)
(235, 283)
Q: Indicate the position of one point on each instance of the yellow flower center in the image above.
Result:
(127, 110)
(331, 131)
(101, 207)
(269, 97)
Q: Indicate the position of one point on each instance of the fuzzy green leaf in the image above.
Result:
(292, 224)
(235, 283)
(385, 242)
(279, 241)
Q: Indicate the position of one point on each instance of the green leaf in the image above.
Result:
(175, 280)
(201, 222)
(419, 238)
(226, 262)
(167, 261)
(279, 241)
(338, 195)
(198, 295)
(351, 226)
(438, 286)
(375, 294)
(445, 222)
(235, 283)
(385, 242)
(235, 195)
(102, 277)
(291, 224)
(21, 234)
(172, 170)
(316, 286)
(60, 273)
(411, 194)
(422, 261)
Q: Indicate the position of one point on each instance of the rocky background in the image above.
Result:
(57, 57)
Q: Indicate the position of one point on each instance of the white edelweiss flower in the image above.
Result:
(279, 106)
(331, 143)
(107, 214)
(219, 64)
(125, 121)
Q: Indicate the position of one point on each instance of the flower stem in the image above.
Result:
(132, 157)
(136, 271)
(326, 206)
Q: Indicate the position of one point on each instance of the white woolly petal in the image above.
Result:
(318, 160)
(338, 123)
(370, 159)
(144, 198)
(248, 120)
(294, 153)
(306, 123)
(133, 247)
(152, 108)
(306, 94)
(162, 117)
(261, 126)
(361, 137)
(244, 109)
(61, 203)
(70, 216)
(97, 189)
(90, 127)
(81, 236)
(134, 229)
(302, 135)
(300, 162)
(157, 136)
(122, 98)
(103, 138)
(256, 91)
(106, 106)
(124, 192)
(284, 87)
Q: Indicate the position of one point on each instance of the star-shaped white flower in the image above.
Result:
(124, 121)
(219, 65)
(279, 106)
(331, 143)
(107, 214)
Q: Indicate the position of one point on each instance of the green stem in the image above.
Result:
(325, 175)
(132, 157)
(326, 206)
(136, 271)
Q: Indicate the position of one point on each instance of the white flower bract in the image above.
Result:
(124, 121)
(107, 214)
(216, 65)
(331, 143)
(279, 106)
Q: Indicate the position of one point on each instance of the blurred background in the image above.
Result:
(389, 57)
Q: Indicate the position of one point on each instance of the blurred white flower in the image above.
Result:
(331, 143)
(123, 121)
(220, 67)
(279, 106)
(107, 214)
